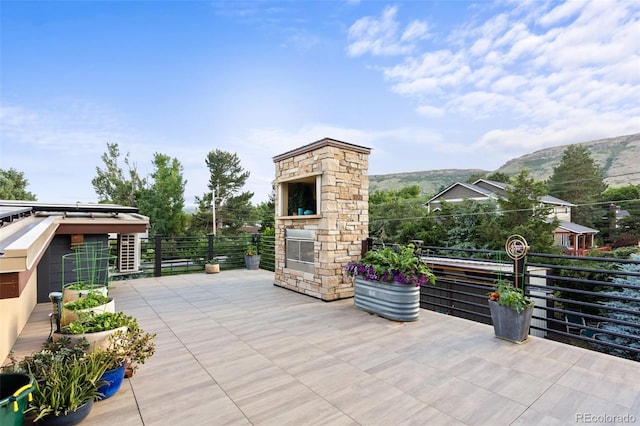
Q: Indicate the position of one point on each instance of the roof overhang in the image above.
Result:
(26, 235)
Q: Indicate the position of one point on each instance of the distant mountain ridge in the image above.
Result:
(618, 157)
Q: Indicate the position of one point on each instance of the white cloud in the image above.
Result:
(509, 83)
(430, 111)
(383, 36)
(570, 70)
(301, 39)
(80, 128)
(415, 31)
(535, 76)
(562, 12)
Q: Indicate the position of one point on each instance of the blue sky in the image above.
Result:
(427, 84)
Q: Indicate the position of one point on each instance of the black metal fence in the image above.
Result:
(162, 256)
(592, 302)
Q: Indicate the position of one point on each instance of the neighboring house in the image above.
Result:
(617, 215)
(573, 238)
(35, 237)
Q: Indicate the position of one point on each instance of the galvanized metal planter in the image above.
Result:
(252, 262)
(394, 301)
(510, 325)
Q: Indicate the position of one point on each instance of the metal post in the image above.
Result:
(213, 211)
(210, 239)
(158, 263)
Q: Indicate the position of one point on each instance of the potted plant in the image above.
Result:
(387, 282)
(212, 266)
(133, 346)
(251, 257)
(75, 291)
(126, 350)
(66, 381)
(118, 337)
(95, 328)
(511, 312)
(93, 302)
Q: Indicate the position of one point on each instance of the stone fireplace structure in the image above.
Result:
(322, 216)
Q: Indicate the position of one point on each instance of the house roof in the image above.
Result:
(475, 188)
(499, 185)
(574, 228)
(547, 199)
(621, 214)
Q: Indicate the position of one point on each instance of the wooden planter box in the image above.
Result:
(394, 301)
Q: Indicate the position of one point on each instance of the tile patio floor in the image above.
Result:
(233, 349)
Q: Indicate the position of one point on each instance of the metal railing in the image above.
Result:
(593, 302)
(160, 256)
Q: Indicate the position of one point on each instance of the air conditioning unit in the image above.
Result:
(128, 252)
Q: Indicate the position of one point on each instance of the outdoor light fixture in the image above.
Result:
(56, 301)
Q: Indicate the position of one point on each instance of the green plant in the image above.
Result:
(506, 294)
(81, 286)
(132, 347)
(91, 300)
(65, 377)
(90, 323)
(388, 264)
(251, 250)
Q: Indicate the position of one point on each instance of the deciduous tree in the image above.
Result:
(163, 199)
(114, 185)
(13, 186)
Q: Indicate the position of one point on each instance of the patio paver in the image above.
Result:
(233, 349)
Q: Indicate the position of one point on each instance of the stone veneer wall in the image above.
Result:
(343, 221)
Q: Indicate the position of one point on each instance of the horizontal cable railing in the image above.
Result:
(182, 255)
(593, 302)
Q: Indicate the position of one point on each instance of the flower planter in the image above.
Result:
(252, 262)
(98, 340)
(394, 301)
(69, 419)
(114, 379)
(68, 316)
(510, 325)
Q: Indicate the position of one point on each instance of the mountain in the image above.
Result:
(619, 159)
(430, 182)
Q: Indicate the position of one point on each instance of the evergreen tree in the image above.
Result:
(626, 231)
(266, 211)
(13, 186)
(524, 214)
(232, 208)
(629, 289)
(578, 179)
